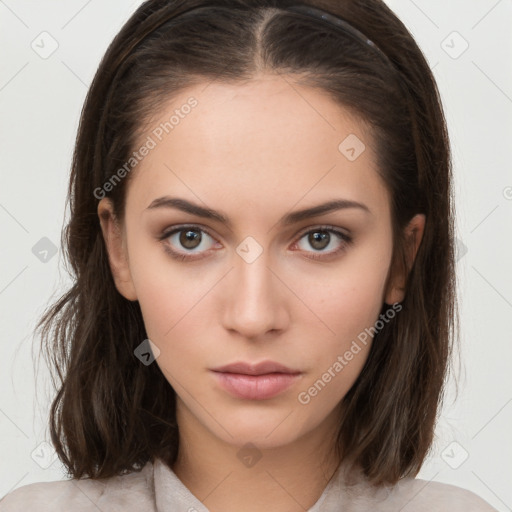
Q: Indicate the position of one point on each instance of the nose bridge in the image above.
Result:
(254, 303)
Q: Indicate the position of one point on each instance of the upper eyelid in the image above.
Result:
(176, 229)
(324, 227)
(182, 227)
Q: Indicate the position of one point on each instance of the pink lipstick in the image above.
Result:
(255, 381)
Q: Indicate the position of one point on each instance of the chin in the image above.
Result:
(265, 429)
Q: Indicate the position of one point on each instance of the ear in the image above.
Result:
(395, 290)
(116, 248)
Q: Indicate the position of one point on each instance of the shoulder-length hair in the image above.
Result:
(112, 414)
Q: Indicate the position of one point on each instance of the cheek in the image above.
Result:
(347, 302)
(177, 310)
(163, 292)
(338, 356)
(173, 322)
(169, 308)
(349, 298)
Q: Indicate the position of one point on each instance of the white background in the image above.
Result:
(40, 102)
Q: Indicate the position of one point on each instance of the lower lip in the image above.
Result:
(256, 387)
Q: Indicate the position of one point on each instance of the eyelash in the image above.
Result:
(345, 239)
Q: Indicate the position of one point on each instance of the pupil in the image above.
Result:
(190, 239)
(319, 239)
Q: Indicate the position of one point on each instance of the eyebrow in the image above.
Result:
(288, 219)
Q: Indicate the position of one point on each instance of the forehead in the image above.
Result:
(254, 140)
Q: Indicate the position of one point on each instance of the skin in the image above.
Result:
(256, 152)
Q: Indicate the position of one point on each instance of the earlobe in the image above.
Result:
(413, 235)
(117, 253)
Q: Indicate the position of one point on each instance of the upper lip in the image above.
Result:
(254, 368)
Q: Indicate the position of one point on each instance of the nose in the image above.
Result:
(254, 300)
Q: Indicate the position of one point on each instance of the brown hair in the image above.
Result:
(112, 414)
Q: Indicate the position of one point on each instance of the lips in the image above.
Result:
(262, 368)
(259, 381)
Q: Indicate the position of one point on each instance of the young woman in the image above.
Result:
(262, 238)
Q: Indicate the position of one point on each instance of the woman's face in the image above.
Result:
(253, 276)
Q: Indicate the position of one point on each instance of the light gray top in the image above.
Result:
(156, 488)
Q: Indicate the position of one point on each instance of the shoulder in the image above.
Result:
(48, 496)
(417, 495)
(133, 491)
(356, 492)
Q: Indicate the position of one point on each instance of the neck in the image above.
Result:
(230, 477)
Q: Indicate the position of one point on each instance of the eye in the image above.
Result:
(187, 241)
(193, 242)
(325, 242)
